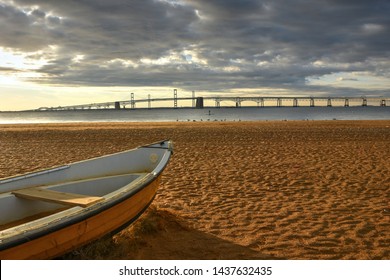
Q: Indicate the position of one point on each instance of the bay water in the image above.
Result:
(192, 114)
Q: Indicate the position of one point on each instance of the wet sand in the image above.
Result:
(237, 190)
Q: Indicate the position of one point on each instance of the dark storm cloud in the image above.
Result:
(201, 44)
(17, 30)
(111, 29)
(304, 29)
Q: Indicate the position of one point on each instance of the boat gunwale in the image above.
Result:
(81, 214)
(12, 178)
(33, 174)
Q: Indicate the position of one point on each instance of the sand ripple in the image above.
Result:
(292, 190)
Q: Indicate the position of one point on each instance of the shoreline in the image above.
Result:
(248, 189)
(201, 115)
(186, 122)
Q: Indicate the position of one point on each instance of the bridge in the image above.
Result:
(216, 101)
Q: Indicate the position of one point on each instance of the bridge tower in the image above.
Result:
(193, 99)
(217, 102)
(132, 102)
(238, 102)
(364, 101)
(149, 102)
(175, 98)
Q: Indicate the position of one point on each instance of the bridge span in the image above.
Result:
(229, 101)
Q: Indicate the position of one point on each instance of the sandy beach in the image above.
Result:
(236, 190)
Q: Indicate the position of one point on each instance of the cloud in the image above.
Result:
(200, 44)
(8, 69)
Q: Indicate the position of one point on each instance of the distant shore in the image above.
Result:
(237, 190)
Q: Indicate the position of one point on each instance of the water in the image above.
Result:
(206, 114)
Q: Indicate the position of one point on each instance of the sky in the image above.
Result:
(55, 52)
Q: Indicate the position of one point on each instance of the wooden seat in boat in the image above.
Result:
(57, 197)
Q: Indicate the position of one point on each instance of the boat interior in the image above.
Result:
(29, 204)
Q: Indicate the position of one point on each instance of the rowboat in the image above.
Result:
(50, 212)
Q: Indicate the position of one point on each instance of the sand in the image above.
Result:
(237, 190)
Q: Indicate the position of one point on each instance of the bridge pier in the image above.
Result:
(295, 102)
(260, 102)
(311, 102)
(346, 102)
(383, 102)
(117, 105)
(364, 104)
(279, 102)
(199, 103)
(329, 102)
